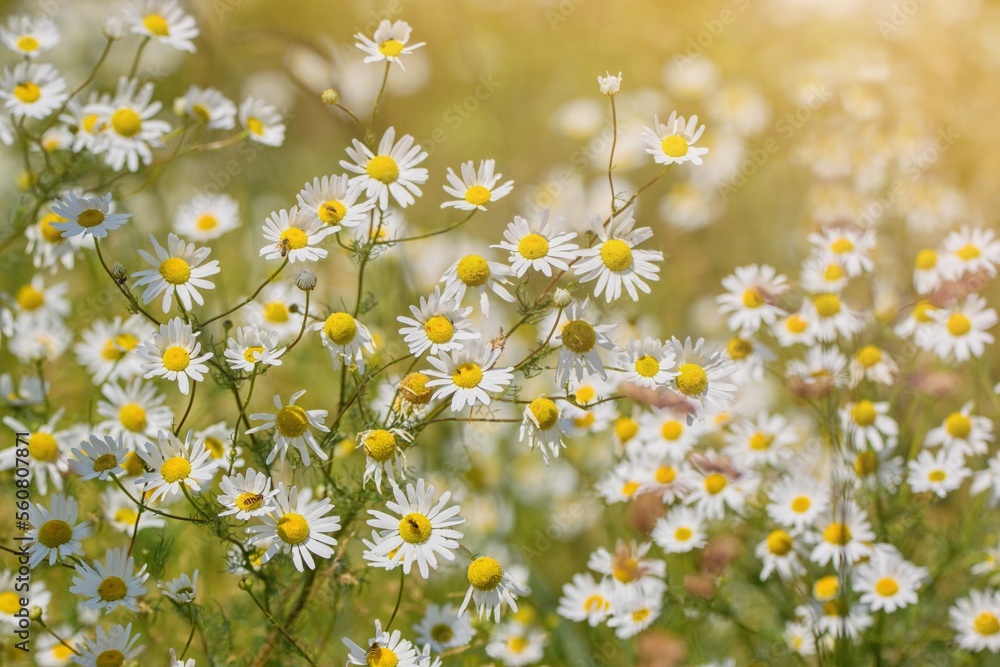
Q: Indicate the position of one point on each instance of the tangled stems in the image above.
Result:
(250, 298)
(133, 302)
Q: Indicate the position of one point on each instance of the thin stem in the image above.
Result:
(135, 526)
(249, 298)
(378, 102)
(121, 288)
(399, 598)
(611, 159)
(76, 91)
(443, 230)
(305, 319)
(281, 629)
(191, 635)
(350, 113)
(194, 387)
(138, 56)
(143, 507)
(243, 411)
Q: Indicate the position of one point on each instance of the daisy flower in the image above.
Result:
(868, 424)
(29, 35)
(47, 460)
(719, 486)
(699, 377)
(962, 431)
(87, 216)
(36, 301)
(173, 354)
(474, 272)
(928, 275)
(628, 568)
(132, 131)
(939, 473)
(919, 325)
(390, 41)
(970, 251)
(833, 318)
(292, 428)
(112, 584)
(419, 531)
(680, 531)
(544, 426)
(615, 261)
(253, 349)
(797, 502)
(538, 245)
(382, 452)
(887, 582)
(299, 527)
(820, 276)
(208, 106)
(647, 363)
(246, 495)
(439, 325)
(207, 217)
(182, 589)
(778, 551)
(47, 246)
(489, 587)
(515, 644)
(442, 628)
(54, 532)
(976, 619)
(294, 235)
(113, 647)
(99, 458)
(178, 271)
(108, 349)
(609, 84)
(334, 202)
(635, 612)
(32, 90)
(960, 332)
(751, 293)
(392, 170)
(262, 122)
(675, 141)
(162, 20)
(52, 652)
(120, 512)
(468, 375)
(801, 327)
(764, 441)
(586, 599)
(476, 188)
(873, 364)
(278, 308)
(823, 368)
(174, 464)
(383, 649)
(849, 248)
(134, 412)
(846, 536)
(579, 340)
(345, 338)
(666, 433)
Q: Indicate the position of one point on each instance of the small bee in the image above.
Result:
(374, 654)
(413, 523)
(284, 245)
(251, 501)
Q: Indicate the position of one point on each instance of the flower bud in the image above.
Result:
(562, 297)
(330, 96)
(119, 273)
(305, 280)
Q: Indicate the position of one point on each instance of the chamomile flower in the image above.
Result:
(764, 441)
(209, 107)
(278, 309)
(391, 170)
(543, 424)
(674, 142)
(873, 364)
(174, 464)
(718, 486)
(647, 363)
(207, 217)
(253, 348)
(383, 649)
(108, 349)
(179, 271)
(939, 473)
(846, 247)
(246, 495)
(797, 502)
(32, 90)
(293, 427)
(173, 353)
(822, 369)
(614, 261)
(680, 531)
(294, 235)
(120, 513)
(382, 453)
(131, 129)
(99, 458)
(109, 648)
(162, 20)
(801, 327)
(47, 449)
(609, 84)
(962, 432)
(976, 619)
(182, 589)
(927, 271)
(418, 530)
(133, 411)
(750, 298)
(262, 122)
(48, 248)
(29, 36)
(635, 612)
(515, 644)
(439, 325)
(390, 41)
(476, 188)
(919, 325)
(55, 533)
(845, 535)
(51, 652)
(969, 251)
(868, 424)
(345, 339)
(820, 275)
(89, 216)
(334, 202)
(37, 302)
(442, 628)
(667, 433)
(834, 318)
(700, 375)
(780, 554)
(115, 583)
(579, 340)
(475, 273)
(960, 332)
(468, 375)
(538, 245)
(586, 599)
(988, 479)
(887, 582)
(490, 586)
(299, 527)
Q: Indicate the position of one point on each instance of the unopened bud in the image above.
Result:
(113, 28)
(119, 273)
(305, 280)
(562, 297)
(246, 583)
(35, 613)
(330, 96)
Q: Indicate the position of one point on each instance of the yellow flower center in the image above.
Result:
(826, 588)
(252, 353)
(133, 417)
(201, 113)
(629, 489)
(837, 533)
(415, 528)
(473, 270)
(683, 534)
(275, 311)
(715, 483)
(54, 533)
(467, 375)
(215, 447)
(626, 428)
(50, 233)
(959, 324)
(295, 238)
(249, 501)
(640, 615)
(545, 411)
(485, 574)
(133, 464)
(647, 366)
(533, 246)
(671, 430)
(692, 379)
(439, 329)
(986, 623)
(937, 476)
(869, 355)
(27, 43)
(110, 658)
(864, 413)
(958, 425)
(340, 328)
(968, 253)
(922, 312)
(175, 270)
(89, 123)
(616, 254)
(413, 388)
(796, 324)
(478, 195)
(175, 469)
(865, 463)
(157, 25)
(926, 259)
(665, 475)
(675, 146)
(752, 298)
(29, 298)
(43, 447)
(27, 92)
(105, 462)
(842, 245)
(383, 169)
(380, 445)
(126, 122)
(391, 48)
(779, 543)
(625, 568)
(593, 602)
(586, 420)
(827, 305)
(584, 394)
(207, 222)
(116, 347)
(332, 211)
(516, 645)
(255, 126)
(291, 421)
(442, 633)
(292, 528)
(176, 358)
(579, 336)
(90, 218)
(10, 603)
(112, 589)
(761, 442)
(801, 504)
(833, 273)
(739, 348)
